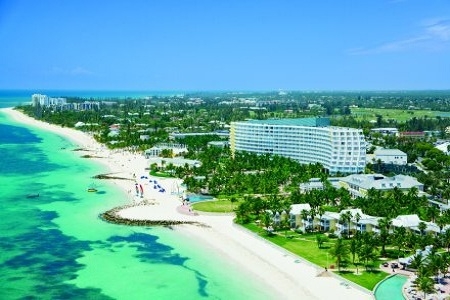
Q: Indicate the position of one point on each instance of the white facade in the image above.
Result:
(390, 156)
(38, 99)
(44, 100)
(307, 140)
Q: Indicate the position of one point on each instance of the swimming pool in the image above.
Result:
(197, 198)
(391, 288)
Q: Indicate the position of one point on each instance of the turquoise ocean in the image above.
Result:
(55, 246)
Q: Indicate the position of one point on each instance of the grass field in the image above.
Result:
(306, 247)
(218, 206)
(401, 115)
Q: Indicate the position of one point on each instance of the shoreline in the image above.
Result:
(287, 275)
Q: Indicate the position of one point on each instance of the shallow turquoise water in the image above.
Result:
(56, 247)
(391, 288)
(197, 198)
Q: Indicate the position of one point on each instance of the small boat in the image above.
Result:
(92, 188)
(32, 195)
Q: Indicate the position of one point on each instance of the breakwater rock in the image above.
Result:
(113, 216)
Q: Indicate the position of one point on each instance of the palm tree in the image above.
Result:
(433, 212)
(445, 237)
(424, 283)
(384, 224)
(304, 215)
(345, 218)
(367, 254)
(355, 244)
(340, 251)
(422, 227)
(417, 261)
(357, 218)
(267, 220)
(399, 238)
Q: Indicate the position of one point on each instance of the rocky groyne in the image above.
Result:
(113, 216)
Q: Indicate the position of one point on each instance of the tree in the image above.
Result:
(321, 239)
(367, 254)
(445, 238)
(422, 227)
(424, 283)
(384, 224)
(417, 261)
(304, 214)
(357, 218)
(355, 245)
(267, 221)
(399, 238)
(345, 218)
(340, 251)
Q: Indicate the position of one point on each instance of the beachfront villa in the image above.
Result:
(300, 218)
(296, 219)
(155, 151)
(306, 140)
(412, 222)
(359, 184)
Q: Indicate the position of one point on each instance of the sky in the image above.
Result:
(237, 45)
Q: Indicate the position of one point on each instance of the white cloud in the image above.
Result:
(434, 35)
(80, 71)
(440, 29)
(77, 71)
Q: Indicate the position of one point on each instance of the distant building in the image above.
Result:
(177, 149)
(306, 140)
(179, 135)
(412, 134)
(390, 156)
(386, 131)
(312, 184)
(38, 99)
(444, 147)
(359, 184)
(219, 144)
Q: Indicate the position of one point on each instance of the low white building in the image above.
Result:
(177, 149)
(390, 156)
(295, 216)
(386, 131)
(359, 184)
(412, 222)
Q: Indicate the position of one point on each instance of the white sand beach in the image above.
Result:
(286, 274)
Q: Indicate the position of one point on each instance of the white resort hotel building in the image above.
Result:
(307, 140)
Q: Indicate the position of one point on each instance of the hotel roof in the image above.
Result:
(311, 122)
(389, 152)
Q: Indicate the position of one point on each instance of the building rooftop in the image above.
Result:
(311, 122)
(389, 152)
(297, 209)
(381, 182)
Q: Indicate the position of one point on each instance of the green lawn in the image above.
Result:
(364, 278)
(306, 247)
(401, 115)
(161, 174)
(218, 206)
